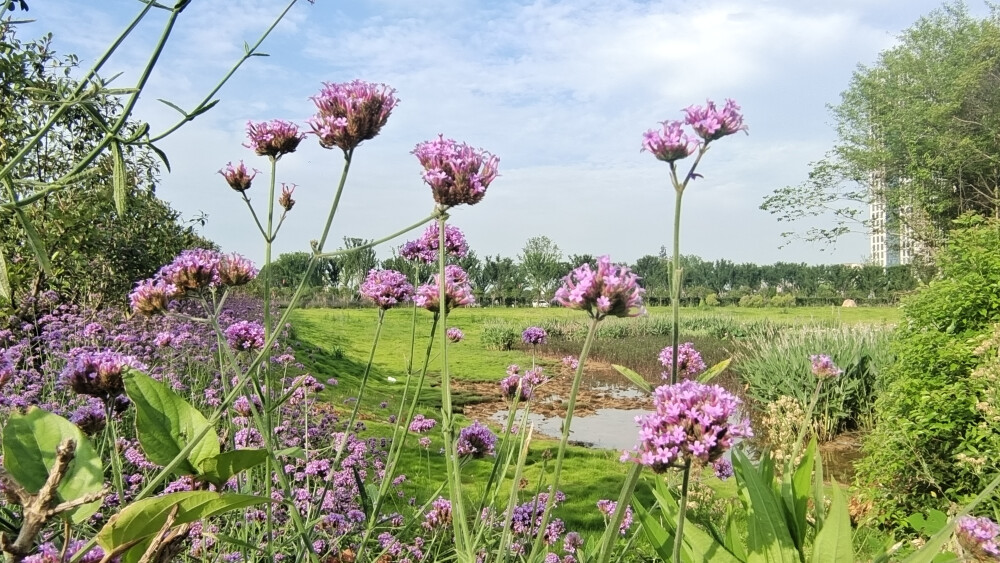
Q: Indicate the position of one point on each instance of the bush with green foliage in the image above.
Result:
(937, 436)
(754, 300)
(500, 335)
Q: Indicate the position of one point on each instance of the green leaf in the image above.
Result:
(768, 538)
(795, 491)
(635, 378)
(165, 423)
(29, 446)
(174, 106)
(118, 177)
(710, 373)
(934, 545)
(203, 109)
(697, 545)
(220, 468)
(34, 241)
(161, 154)
(5, 293)
(833, 542)
(140, 520)
(658, 537)
(818, 495)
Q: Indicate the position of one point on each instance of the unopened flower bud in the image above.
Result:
(285, 200)
(238, 177)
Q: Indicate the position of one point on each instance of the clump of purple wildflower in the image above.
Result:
(723, 468)
(351, 112)
(521, 387)
(608, 507)
(670, 143)
(690, 423)
(823, 367)
(534, 335)
(711, 123)
(608, 290)
(455, 334)
(476, 441)
(689, 361)
(439, 516)
(98, 374)
(152, 296)
(571, 362)
(235, 270)
(245, 336)
(421, 424)
(273, 138)
(386, 288)
(425, 249)
(238, 177)
(979, 537)
(193, 270)
(456, 172)
(458, 292)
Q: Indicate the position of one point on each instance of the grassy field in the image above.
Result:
(336, 343)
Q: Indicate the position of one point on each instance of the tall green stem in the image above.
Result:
(571, 405)
(682, 513)
(677, 279)
(268, 394)
(462, 547)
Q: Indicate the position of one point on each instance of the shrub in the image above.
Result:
(778, 365)
(937, 417)
(712, 300)
(755, 301)
(500, 335)
(782, 300)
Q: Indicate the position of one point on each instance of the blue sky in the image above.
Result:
(560, 91)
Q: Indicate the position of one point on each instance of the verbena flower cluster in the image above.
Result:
(456, 172)
(238, 177)
(458, 292)
(979, 537)
(521, 387)
(672, 143)
(439, 516)
(607, 291)
(571, 362)
(823, 367)
(476, 441)
(689, 361)
(608, 507)
(350, 113)
(386, 288)
(691, 422)
(455, 334)
(273, 138)
(98, 374)
(534, 335)
(425, 248)
(191, 271)
(420, 424)
(245, 336)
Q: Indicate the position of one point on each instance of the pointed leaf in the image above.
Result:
(34, 241)
(658, 537)
(5, 293)
(162, 155)
(165, 423)
(833, 542)
(795, 491)
(818, 496)
(146, 517)
(29, 446)
(118, 177)
(710, 373)
(219, 469)
(932, 548)
(203, 109)
(697, 545)
(635, 378)
(767, 532)
(173, 105)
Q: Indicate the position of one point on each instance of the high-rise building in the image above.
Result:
(891, 228)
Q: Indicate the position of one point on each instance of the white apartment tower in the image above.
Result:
(891, 233)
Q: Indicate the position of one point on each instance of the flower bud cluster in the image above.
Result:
(351, 112)
(425, 248)
(608, 290)
(386, 288)
(98, 374)
(672, 143)
(458, 292)
(191, 271)
(534, 335)
(456, 172)
(689, 362)
(273, 138)
(476, 441)
(979, 537)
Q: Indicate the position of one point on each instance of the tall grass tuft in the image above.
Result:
(778, 365)
(500, 335)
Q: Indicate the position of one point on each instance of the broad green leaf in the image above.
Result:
(219, 469)
(659, 538)
(29, 446)
(118, 177)
(818, 496)
(5, 293)
(796, 488)
(710, 373)
(161, 154)
(734, 536)
(697, 545)
(34, 241)
(146, 517)
(635, 378)
(767, 532)
(165, 423)
(834, 541)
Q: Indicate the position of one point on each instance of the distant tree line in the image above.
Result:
(533, 276)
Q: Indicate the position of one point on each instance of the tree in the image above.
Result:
(354, 266)
(919, 130)
(540, 260)
(503, 279)
(96, 248)
(290, 267)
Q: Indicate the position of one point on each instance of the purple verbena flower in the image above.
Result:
(823, 367)
(238, 177)
(98, 374)
(458, 292)
(608, 507)
(476, 441)
(979, 537)
(456, 173)
(386, 288)
(723, 468)
(439, 516)
(152, 296)
(273, 138)
(425, 249)
(534, 335)
(245, 336)
(571, 362)
(236, 270)
(608, 290)
(711, 123)
(669, 144)
(421, 424)
(691, 422)
(351, 112)
(193, 269)
(455, 334)
(689, 362)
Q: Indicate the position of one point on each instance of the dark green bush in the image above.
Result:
(936, 439)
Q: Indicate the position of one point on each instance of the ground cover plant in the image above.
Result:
(187, 427)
